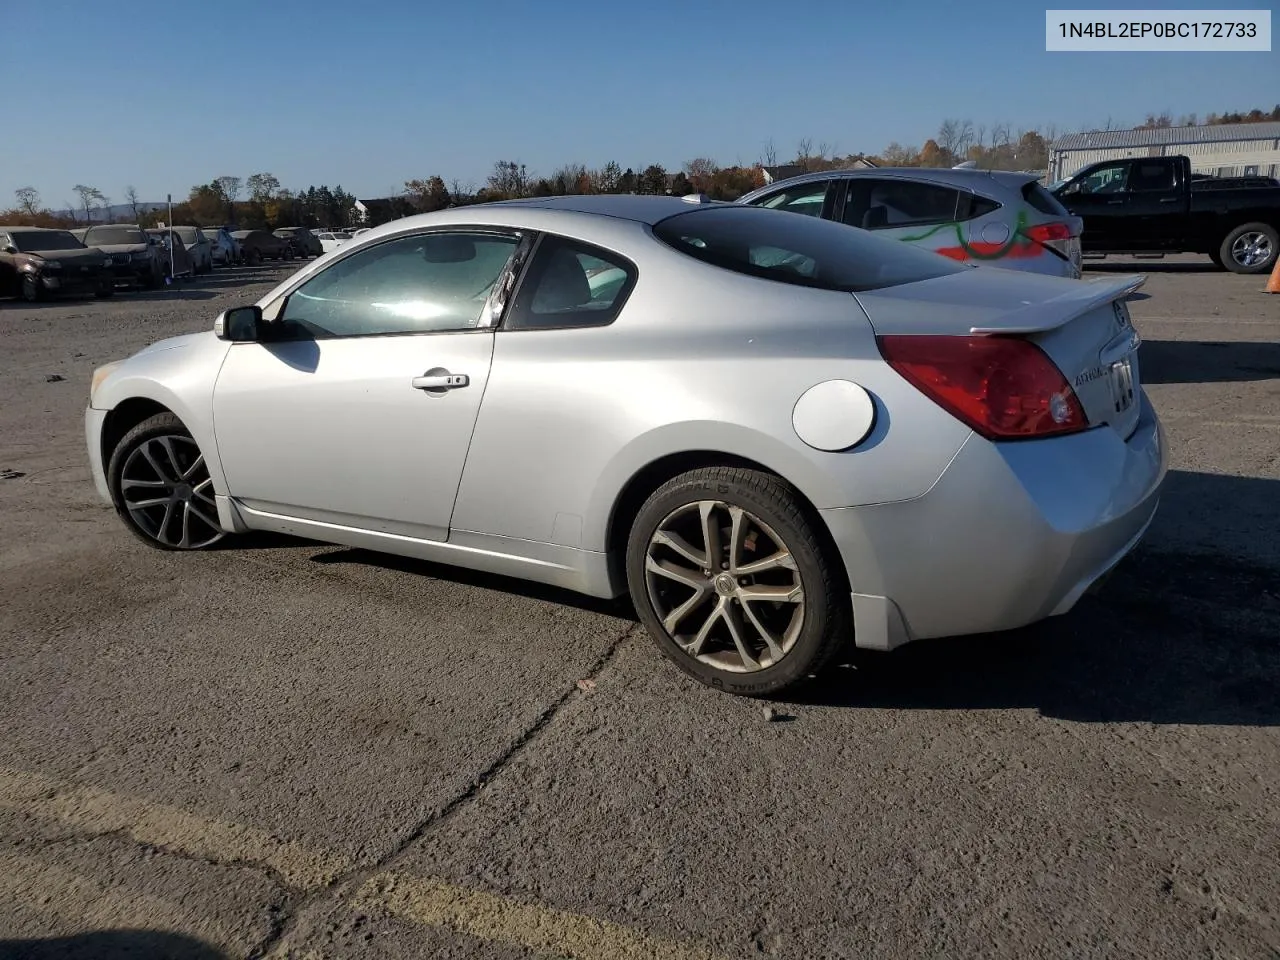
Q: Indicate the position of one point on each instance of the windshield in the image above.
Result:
(99, 236)
(30, 242)
(188, 234)
(806, 251)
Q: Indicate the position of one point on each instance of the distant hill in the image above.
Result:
(116, 211)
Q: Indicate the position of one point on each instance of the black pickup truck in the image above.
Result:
(1154, 206)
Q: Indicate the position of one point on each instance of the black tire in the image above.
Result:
(31, 291)
(1216, 258)
(825, 623)
(107, 291)
(162, 425)
(1270, 237)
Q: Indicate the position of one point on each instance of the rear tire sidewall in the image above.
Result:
(1228, 261)
(772, 501)
(159, 425)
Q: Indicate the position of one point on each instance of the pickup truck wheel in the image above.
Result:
(1250, 248)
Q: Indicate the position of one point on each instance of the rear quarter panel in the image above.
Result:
(701, 359)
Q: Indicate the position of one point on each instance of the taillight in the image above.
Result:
(1005, 388)
(1048, 232)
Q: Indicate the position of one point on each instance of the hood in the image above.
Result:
(175, 343)
(113, 248)
(96, 254)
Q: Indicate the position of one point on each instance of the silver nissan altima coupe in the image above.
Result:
(777, 433)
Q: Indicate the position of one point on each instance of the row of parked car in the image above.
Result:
(39, 262)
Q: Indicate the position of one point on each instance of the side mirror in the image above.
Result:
(10, 249)
(239, 324)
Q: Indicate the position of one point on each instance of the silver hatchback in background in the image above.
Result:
(990, 217)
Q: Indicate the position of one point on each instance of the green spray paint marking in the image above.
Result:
(1018, 237)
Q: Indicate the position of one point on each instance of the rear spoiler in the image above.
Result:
(1051, 314)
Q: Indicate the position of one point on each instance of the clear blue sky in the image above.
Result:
(369, 93)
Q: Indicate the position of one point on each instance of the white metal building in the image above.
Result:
(1224, 150)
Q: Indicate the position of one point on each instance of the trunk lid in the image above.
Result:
(1083, 326)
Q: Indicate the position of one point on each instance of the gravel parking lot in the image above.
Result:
(292, 749)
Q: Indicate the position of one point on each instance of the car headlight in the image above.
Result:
(107, 262)
(142, 255)
(100, 374)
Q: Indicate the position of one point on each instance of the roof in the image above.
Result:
(963, 178)
(645, 208)
(1166, 136)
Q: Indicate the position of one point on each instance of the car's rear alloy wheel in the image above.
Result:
(161, 486)
(726, 571)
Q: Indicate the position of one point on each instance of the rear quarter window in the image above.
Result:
(804, 251)
(1041, 199)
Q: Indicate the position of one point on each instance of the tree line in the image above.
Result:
(260, 201)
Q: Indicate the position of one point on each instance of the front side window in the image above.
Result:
(424, 283)
(570, 284)
(1109, 179)
(806, 198)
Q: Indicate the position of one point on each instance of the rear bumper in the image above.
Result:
(1010, 534)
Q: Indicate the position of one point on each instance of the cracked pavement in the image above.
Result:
(291, 749)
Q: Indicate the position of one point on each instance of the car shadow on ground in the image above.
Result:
(1182, 632)
(1201, 361)
(112, 945)
(1187, 635)
(620, 607)
(1151, 266)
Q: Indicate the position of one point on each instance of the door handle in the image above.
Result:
(1114, 203)
(442, 381)
(1170, 199)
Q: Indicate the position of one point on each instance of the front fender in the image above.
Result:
(179, 375)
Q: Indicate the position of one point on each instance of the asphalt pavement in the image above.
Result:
(284, 748)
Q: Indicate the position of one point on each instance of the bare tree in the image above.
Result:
(804, 152)
(28, 200)
(826, 150)
(954, 137)
(263, 186)
(770, 155)
(230, 187)
(104, 202)
(89, 198)
(131, 198)
(509, 178)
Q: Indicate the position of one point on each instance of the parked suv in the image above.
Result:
(305, 243)
(36, 263)
(135, 257)
(981, 216)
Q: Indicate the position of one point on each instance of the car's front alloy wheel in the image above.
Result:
(161, 486)
(726, 571)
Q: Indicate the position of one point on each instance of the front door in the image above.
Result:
(358, 409)
(1102, 200)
